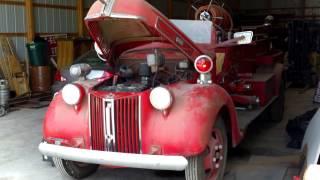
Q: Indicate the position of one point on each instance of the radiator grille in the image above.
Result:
(127, 124)
(96, 124)
(115, 124)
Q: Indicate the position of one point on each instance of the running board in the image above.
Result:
(246, 117)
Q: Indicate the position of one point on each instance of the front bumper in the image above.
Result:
(142, 161)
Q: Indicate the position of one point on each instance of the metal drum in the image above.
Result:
(40, 78)
(4, 96)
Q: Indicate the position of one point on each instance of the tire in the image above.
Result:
(196, 169)
(277, 108)
(73, 169)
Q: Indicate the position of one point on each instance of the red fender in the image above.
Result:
(187, 127)
(64, 122)
(68, 123)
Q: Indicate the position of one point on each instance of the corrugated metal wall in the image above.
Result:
(12, 20)
(53, 20)
(47, 20)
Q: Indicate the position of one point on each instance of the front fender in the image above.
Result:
(187, 127)
(67, 123)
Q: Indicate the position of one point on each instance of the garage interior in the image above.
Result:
(41, 40)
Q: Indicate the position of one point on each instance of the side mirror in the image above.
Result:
(244, 37)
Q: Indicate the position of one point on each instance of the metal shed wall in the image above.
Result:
(12, 21)
(50, 17)
(55, 20)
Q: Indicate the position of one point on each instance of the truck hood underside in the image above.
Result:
(118, 22)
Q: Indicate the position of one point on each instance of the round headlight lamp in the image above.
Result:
(72, 94)
(80, 70)
(161, 98)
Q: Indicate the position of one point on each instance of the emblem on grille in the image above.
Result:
(109, 124)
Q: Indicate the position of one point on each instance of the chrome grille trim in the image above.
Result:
(115, 124)
(109, 125)
(139, 120)
(90, 119)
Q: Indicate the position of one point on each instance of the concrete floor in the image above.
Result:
(262, 156)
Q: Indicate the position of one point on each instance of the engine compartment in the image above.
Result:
(139, 71)
(122, 87)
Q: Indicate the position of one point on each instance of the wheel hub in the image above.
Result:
(214, 156)
(217, 155)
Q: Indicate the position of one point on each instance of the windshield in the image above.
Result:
(141, 53)
(92, 59)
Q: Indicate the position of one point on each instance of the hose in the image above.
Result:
(219, 16)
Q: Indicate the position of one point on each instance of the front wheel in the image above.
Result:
(74, 169)
(210, 165)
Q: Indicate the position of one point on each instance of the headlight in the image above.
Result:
(161, 98)
(72, 94)
(80, 70)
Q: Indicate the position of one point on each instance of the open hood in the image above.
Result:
(119, 25)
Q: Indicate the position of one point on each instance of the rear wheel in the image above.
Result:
(210, 165)
(74, 169)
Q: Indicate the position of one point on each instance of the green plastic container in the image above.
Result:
(38, 53)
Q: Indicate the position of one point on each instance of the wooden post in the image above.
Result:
(80, 9)
(29, 20)
(29, 28)
(170, 9)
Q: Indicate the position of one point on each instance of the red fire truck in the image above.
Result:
(176, 94)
